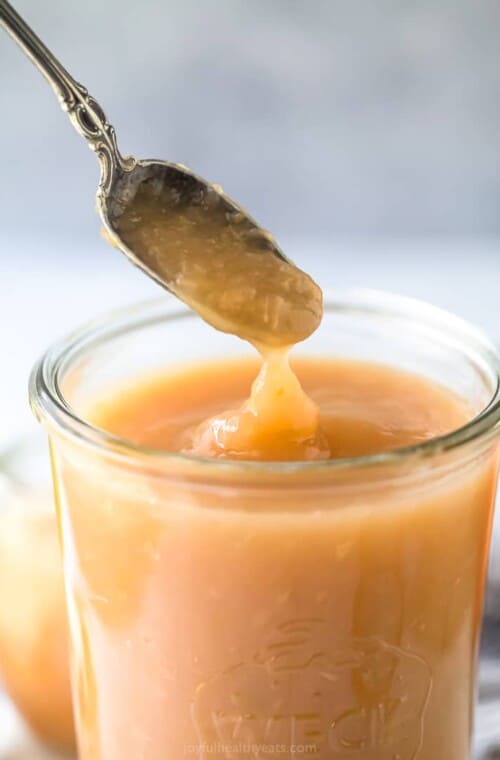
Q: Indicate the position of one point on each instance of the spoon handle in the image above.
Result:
(85, 113)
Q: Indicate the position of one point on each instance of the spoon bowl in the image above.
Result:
(180, 190)
(196, 242)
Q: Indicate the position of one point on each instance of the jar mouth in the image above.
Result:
(50, 406)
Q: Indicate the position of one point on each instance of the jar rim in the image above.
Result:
(52, 408)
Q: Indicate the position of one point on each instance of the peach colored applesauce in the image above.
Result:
(323, 623)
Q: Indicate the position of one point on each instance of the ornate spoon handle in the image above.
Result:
(86, 114)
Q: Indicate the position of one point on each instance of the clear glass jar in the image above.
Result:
(34, 652)
(234, 610)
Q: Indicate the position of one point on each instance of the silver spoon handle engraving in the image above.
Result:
(85, 113)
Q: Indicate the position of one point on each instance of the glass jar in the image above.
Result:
(234, 610)
(34, 667)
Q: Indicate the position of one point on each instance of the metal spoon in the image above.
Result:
(280, 307)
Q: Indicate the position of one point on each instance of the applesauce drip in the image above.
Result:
(220, 266)
(279, 422)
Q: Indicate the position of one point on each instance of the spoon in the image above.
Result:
(181, 230)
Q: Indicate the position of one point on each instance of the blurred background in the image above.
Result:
(365, 135)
